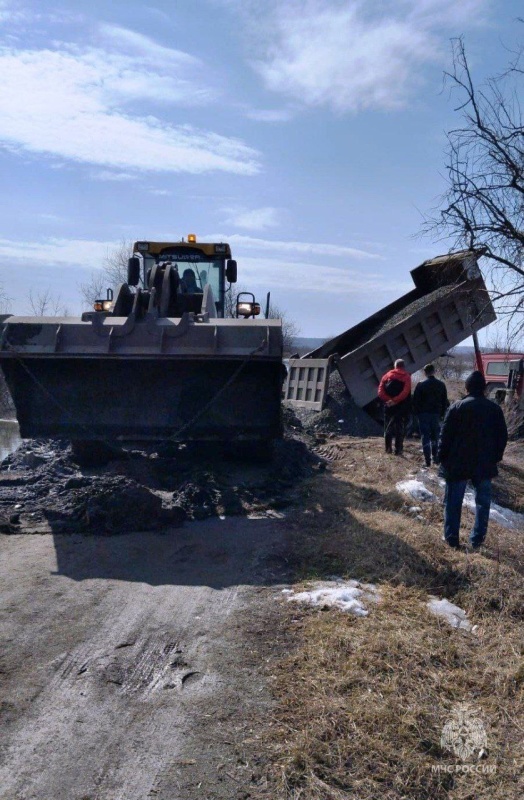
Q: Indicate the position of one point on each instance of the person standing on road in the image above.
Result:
(430, 403)
(472, 442)
(395, 392)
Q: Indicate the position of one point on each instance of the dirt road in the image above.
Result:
(130, 665)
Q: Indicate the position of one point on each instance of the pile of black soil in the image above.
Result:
(43, 489)
(340, 414)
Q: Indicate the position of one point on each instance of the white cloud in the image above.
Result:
(281, 258)
(258, 219)
(9, 13)
(145, 48)
(60, 264)
(269, 115)
(157, 12)
(353, 55)
(437, 14)
(299, 248)
(51, 217)
(107, 175)
(84, 252)
(71, 103)
(309, 278)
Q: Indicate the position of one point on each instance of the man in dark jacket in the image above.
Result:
(472, 442)
(395, 392)
(430, 403)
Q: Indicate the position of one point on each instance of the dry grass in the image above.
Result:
(362, 701)
(514, 420)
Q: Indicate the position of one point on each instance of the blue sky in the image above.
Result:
(308, 134)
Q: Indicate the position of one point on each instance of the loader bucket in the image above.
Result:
(152, 380)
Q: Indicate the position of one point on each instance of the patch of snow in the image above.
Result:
(350, 596)
(415, 489)
(451, 613)
(504, 516)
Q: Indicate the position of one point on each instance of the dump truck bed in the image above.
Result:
(448, 304)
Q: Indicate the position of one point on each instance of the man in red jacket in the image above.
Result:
(395, 392)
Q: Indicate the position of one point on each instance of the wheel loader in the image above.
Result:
(155, 362)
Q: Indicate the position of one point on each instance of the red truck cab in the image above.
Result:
(496, 369)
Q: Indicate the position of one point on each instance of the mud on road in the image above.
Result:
(131, 666)
(43, 489)
(138, 616)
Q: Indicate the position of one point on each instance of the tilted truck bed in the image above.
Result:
(448, 304)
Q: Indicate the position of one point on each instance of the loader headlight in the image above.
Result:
(103, 305)
(245, 309)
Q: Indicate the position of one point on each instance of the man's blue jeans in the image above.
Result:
(453, 509)
(429, 425)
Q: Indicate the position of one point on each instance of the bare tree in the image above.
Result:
(110, 276)
(115, 263)
(498, 343)
(455, 365)
(483, 206)
(290, 329)
(46, 304)
(95, 288)
(230, 300)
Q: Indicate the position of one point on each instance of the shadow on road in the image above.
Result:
(215, 553)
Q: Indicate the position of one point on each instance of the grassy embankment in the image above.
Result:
(361, 701)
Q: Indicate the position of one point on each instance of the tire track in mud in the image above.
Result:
(98, 697)
(123, 688)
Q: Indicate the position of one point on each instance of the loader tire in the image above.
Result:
(91, 454)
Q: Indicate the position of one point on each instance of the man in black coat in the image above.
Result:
(430, 403)
(472, 442)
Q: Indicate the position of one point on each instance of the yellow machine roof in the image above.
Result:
(208, 248)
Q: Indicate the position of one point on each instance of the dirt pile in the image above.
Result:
(43, 489)
(340, 415)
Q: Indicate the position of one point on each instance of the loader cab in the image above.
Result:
(192, 265)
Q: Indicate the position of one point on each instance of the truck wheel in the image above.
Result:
(90, 453)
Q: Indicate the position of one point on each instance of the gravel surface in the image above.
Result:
(340, 415)
(413, 308)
